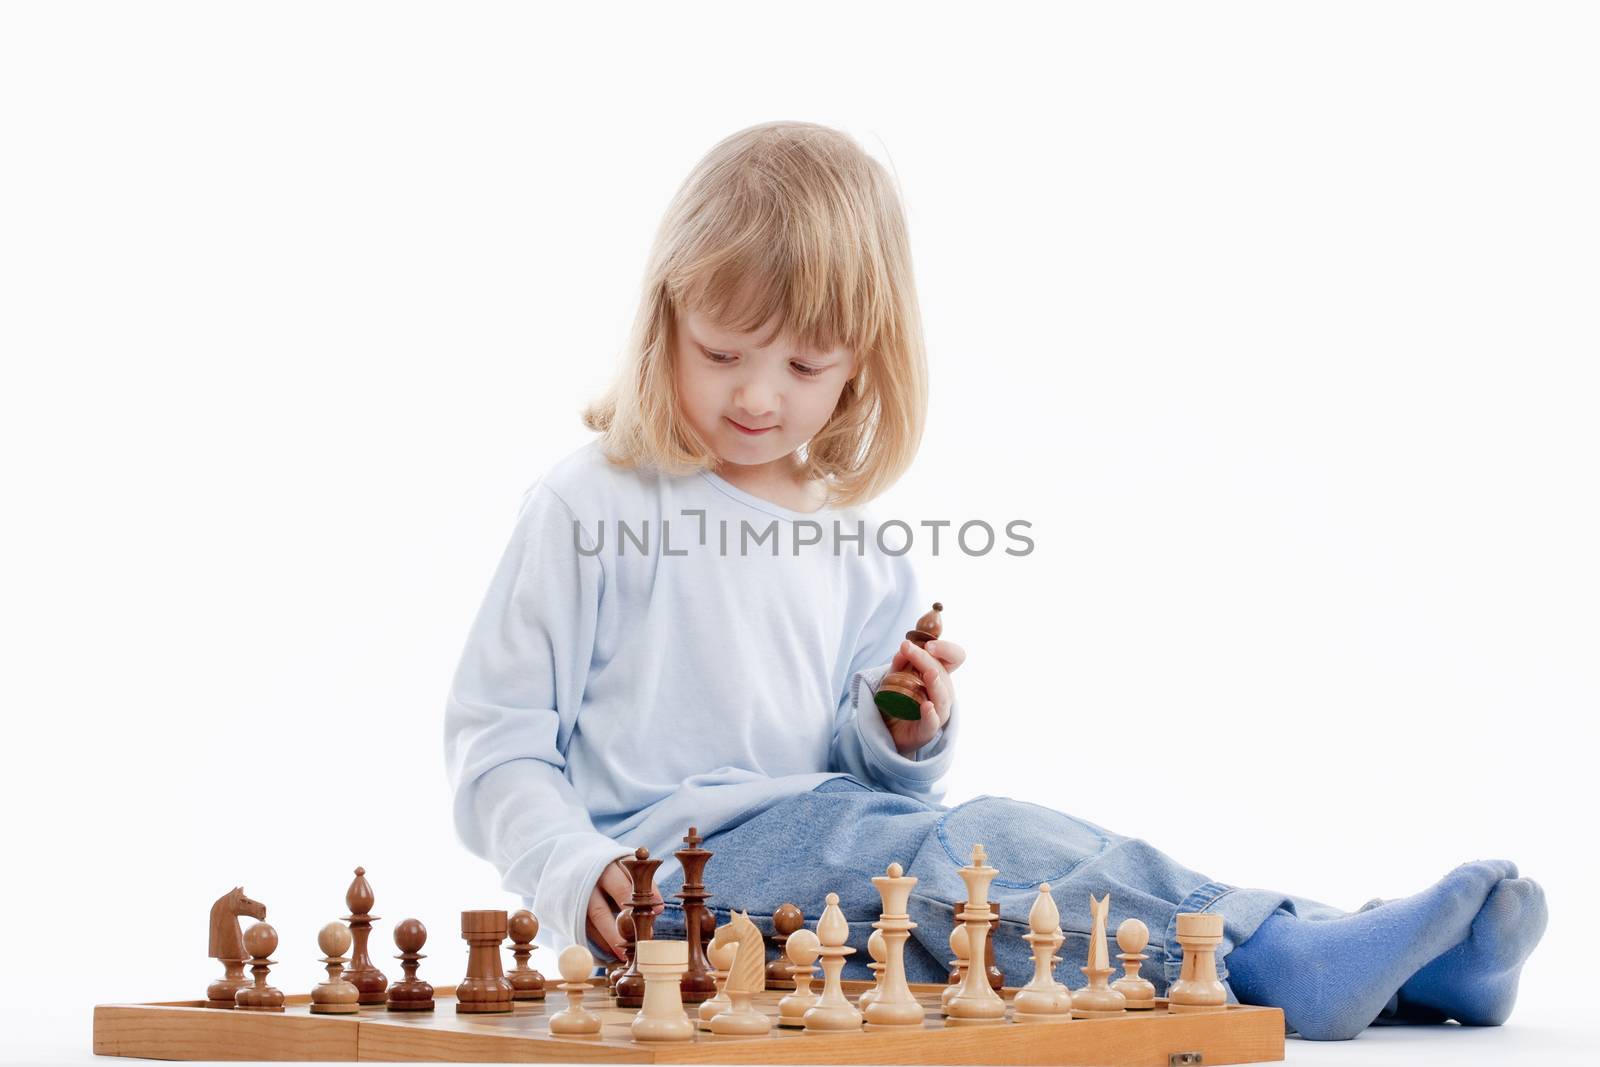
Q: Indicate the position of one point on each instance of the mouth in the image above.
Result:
(747, 431)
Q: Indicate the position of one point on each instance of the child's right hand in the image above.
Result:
(610, 895)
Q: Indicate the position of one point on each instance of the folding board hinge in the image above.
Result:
(1185, 1059)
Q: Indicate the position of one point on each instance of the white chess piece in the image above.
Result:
(1132, 936)
(802, 949)
(976, 1003)
(1198, 988)
(747, 977)
(876, 949)
(833, 1011)
(719, 953)
(958, 949)
(576, 964)
(661, 1017)
(894, 1005)
(1038, 1002)
(1097, 999)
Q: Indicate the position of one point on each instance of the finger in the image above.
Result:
(949, 653)
(603, 927)
(929, 667)
(616, 884)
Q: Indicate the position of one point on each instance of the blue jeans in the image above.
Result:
(842, 834)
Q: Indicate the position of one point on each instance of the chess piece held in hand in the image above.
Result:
(901, 693)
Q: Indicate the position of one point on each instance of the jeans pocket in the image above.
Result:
(1027, 843)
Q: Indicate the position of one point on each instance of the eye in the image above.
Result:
(717, 357)
(805, 371)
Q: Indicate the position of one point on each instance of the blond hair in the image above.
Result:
(794, 220)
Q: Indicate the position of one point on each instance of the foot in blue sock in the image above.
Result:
(1332, 977)
(1475, 983)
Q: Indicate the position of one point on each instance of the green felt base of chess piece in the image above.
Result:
(898, 706)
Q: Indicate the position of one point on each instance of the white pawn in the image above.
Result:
(833, 1011)
(335, 996)
(661, 1017)
(802, 950)
(958, 949)
(1132, 937)
(877, 950)
(1037, 1002)
(576, 965)
(720, 951)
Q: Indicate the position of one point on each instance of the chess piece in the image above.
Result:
(977, 1002)
(1037, 1002)
(575, 963)
(361, 973)
(410, 993)
(261, 940)
(721, 954)
(227, 945)
(526, 983)
(485, 988)
(1132, 937)
(335, 996)
(747, 977)
(901, 693)
(1098, 1000)
(958, 965)
(802, 948)
(624, 931)
(629, 989)
(878, 950)
(1197, 987)
(997, 979)
(894, 1005)
(832, 1011)
(661, 1017)
(785, 921)
(698, 984)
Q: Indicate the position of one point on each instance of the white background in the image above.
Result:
(1278, 322)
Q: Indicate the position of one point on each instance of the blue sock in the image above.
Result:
(1332, 977)
(1475, 983)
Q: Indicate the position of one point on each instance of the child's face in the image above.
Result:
(725, 381)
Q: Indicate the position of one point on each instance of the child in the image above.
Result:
(694, 612)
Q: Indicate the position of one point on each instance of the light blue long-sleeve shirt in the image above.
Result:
(611, 696)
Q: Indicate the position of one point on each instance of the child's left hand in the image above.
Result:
(934, 664)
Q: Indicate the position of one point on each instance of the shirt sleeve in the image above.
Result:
(511, 711)
(862, 746)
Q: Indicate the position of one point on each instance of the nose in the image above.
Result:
(755, 399)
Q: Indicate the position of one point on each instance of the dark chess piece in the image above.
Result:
(698, 983)
(485, 988)
(630, 983)
(227, 944)
(410, 993)
(361, 973)
(901, 693)
(526, 983)
(261, 940)
(785, 921)
(624, 931)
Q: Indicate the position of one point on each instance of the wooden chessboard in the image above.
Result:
(187, 1030)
